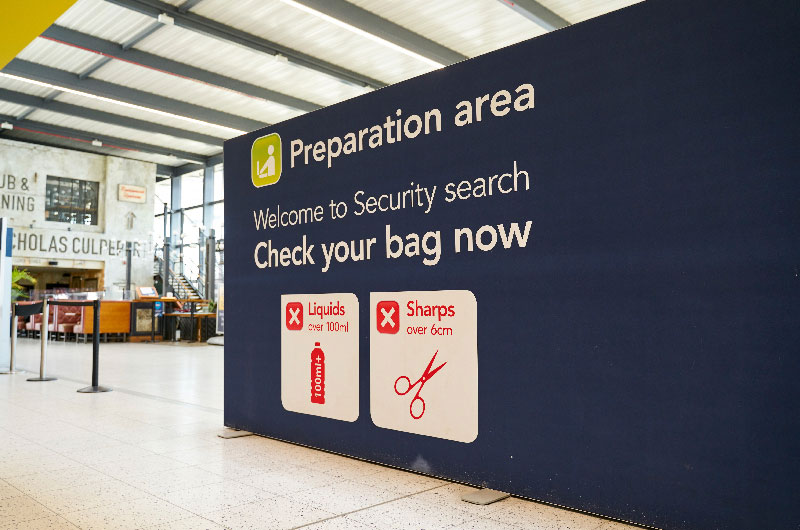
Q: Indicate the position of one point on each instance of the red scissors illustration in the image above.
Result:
(426, 375)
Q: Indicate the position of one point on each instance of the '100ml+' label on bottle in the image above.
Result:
(320, 331)
(317, 375)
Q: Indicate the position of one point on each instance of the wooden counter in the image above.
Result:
(115, 317)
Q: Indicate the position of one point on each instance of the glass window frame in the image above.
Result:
(72, 201)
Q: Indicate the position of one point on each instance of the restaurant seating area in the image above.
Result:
(124, 320)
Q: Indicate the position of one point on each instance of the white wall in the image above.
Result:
(23, 176)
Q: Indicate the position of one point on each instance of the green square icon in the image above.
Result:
(265, 160)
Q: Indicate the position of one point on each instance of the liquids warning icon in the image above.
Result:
(294, 316)
(319, 354)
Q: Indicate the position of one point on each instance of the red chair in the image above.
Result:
(80, 327)
(68, 318)
(35, 323)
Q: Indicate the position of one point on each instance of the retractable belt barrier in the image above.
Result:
(28, 310)
(24, 310)
(95, 386)
(20, 310)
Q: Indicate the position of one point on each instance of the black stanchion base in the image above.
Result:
(42, 379)
(10, 372)
(94, 389)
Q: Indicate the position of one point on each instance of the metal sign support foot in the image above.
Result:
(233, 433)
(484, 496)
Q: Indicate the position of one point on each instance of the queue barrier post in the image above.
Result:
(153, 323)
(95, 387)
(191, 319)
(14, 320)
(43, 356)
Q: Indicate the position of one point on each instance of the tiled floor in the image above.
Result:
(147, 456)
(180, 371)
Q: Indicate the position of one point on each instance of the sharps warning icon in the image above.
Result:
(423, 366)
(388, 317)
(265, 160)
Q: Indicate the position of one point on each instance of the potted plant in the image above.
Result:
(18, 275)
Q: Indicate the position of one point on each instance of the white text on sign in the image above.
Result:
(415, 197)
(428, 246)
(402, 126)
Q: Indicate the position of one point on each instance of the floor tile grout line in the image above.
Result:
(602, 520)
(135, 393)
(367, 507)
(272, 494)
(157, 497)
(20, 404)
(34, 499)
(187, 465)
(145, 493)
(117, 441)
(44, 418)
(145, 496)
(15, 526)
(150, 494)
(89, 466)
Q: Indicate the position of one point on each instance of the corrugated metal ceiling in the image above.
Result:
(241, 63)
(24, 87)
(314, 36)
(122, 110)
(580, 10)
(469, 27)
(105, 20)
(11, 109)
(115, 131)
(55, 55)
(155, 82)
(59, 141)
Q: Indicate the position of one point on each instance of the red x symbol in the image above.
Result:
(294, 316)
(388, 314)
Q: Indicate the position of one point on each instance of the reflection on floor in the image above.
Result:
(179, 371)
(147, 456)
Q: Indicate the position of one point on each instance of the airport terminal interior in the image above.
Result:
(148, 455)
(113, 116)
(113, 183)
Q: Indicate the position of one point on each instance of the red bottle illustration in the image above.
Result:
(317, 375)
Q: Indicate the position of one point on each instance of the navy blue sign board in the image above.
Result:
(633, 275)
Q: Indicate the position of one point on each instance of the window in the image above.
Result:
(71, 201)
(191, 190)
(163, 196)
(219, 220)
(219, 182)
